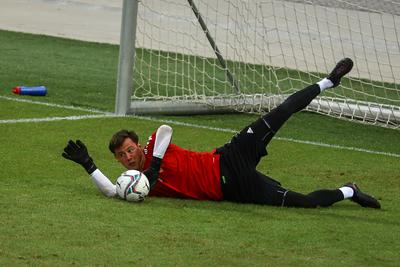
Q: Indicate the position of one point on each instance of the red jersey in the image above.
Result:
(186, 174)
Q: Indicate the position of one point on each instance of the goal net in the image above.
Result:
(249, 55)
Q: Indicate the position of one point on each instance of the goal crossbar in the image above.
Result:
(358, 110)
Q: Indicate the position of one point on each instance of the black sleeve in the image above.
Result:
(152, 172)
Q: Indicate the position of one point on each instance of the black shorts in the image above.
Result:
(240, 181)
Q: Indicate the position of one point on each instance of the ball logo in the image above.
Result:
(130, 188)
(133, 185)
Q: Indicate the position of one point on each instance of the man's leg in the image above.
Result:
(254, 138)
(252, 141)
(240, 157)
(271, 122)
(322, 198)
(326, 198)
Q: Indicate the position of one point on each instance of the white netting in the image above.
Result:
(271, 48)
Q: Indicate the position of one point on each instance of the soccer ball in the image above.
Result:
(133, 186)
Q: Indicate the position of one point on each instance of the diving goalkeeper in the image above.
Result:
(226, 173)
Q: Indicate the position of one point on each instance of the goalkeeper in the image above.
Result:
(228, 172)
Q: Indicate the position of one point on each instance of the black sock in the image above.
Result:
(322, 198)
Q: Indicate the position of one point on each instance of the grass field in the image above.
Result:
(52, 215)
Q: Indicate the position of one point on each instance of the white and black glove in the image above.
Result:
(77, 152)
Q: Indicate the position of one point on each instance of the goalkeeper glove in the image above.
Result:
(78, 153)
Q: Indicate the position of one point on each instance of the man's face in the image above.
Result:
(130, 155)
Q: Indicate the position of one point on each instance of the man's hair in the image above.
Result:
(119, 137)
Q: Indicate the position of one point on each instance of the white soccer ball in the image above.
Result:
(133, 186)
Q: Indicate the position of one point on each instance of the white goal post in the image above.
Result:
(204, 56)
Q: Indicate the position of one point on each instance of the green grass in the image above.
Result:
(52, 214)
(22, 110)
(75, 73)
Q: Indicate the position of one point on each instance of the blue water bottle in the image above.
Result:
(30, 90)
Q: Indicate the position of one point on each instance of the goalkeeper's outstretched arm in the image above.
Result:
(77, 152)
(104, 184)
(163, 139)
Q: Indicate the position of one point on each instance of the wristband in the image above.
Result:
(89, 165)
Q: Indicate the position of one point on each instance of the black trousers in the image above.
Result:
(241, 182)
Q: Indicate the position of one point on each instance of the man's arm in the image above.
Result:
(104, 184)
(163, 139)
(77, 152)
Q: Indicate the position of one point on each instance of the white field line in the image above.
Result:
(102, 114)
(53, 105)
(68, 118)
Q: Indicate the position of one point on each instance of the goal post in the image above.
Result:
(270, 48)
(126, 57)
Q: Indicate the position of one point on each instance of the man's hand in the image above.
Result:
(77, 152)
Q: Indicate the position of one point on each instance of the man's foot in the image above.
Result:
(343, 67)
(362, 198)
